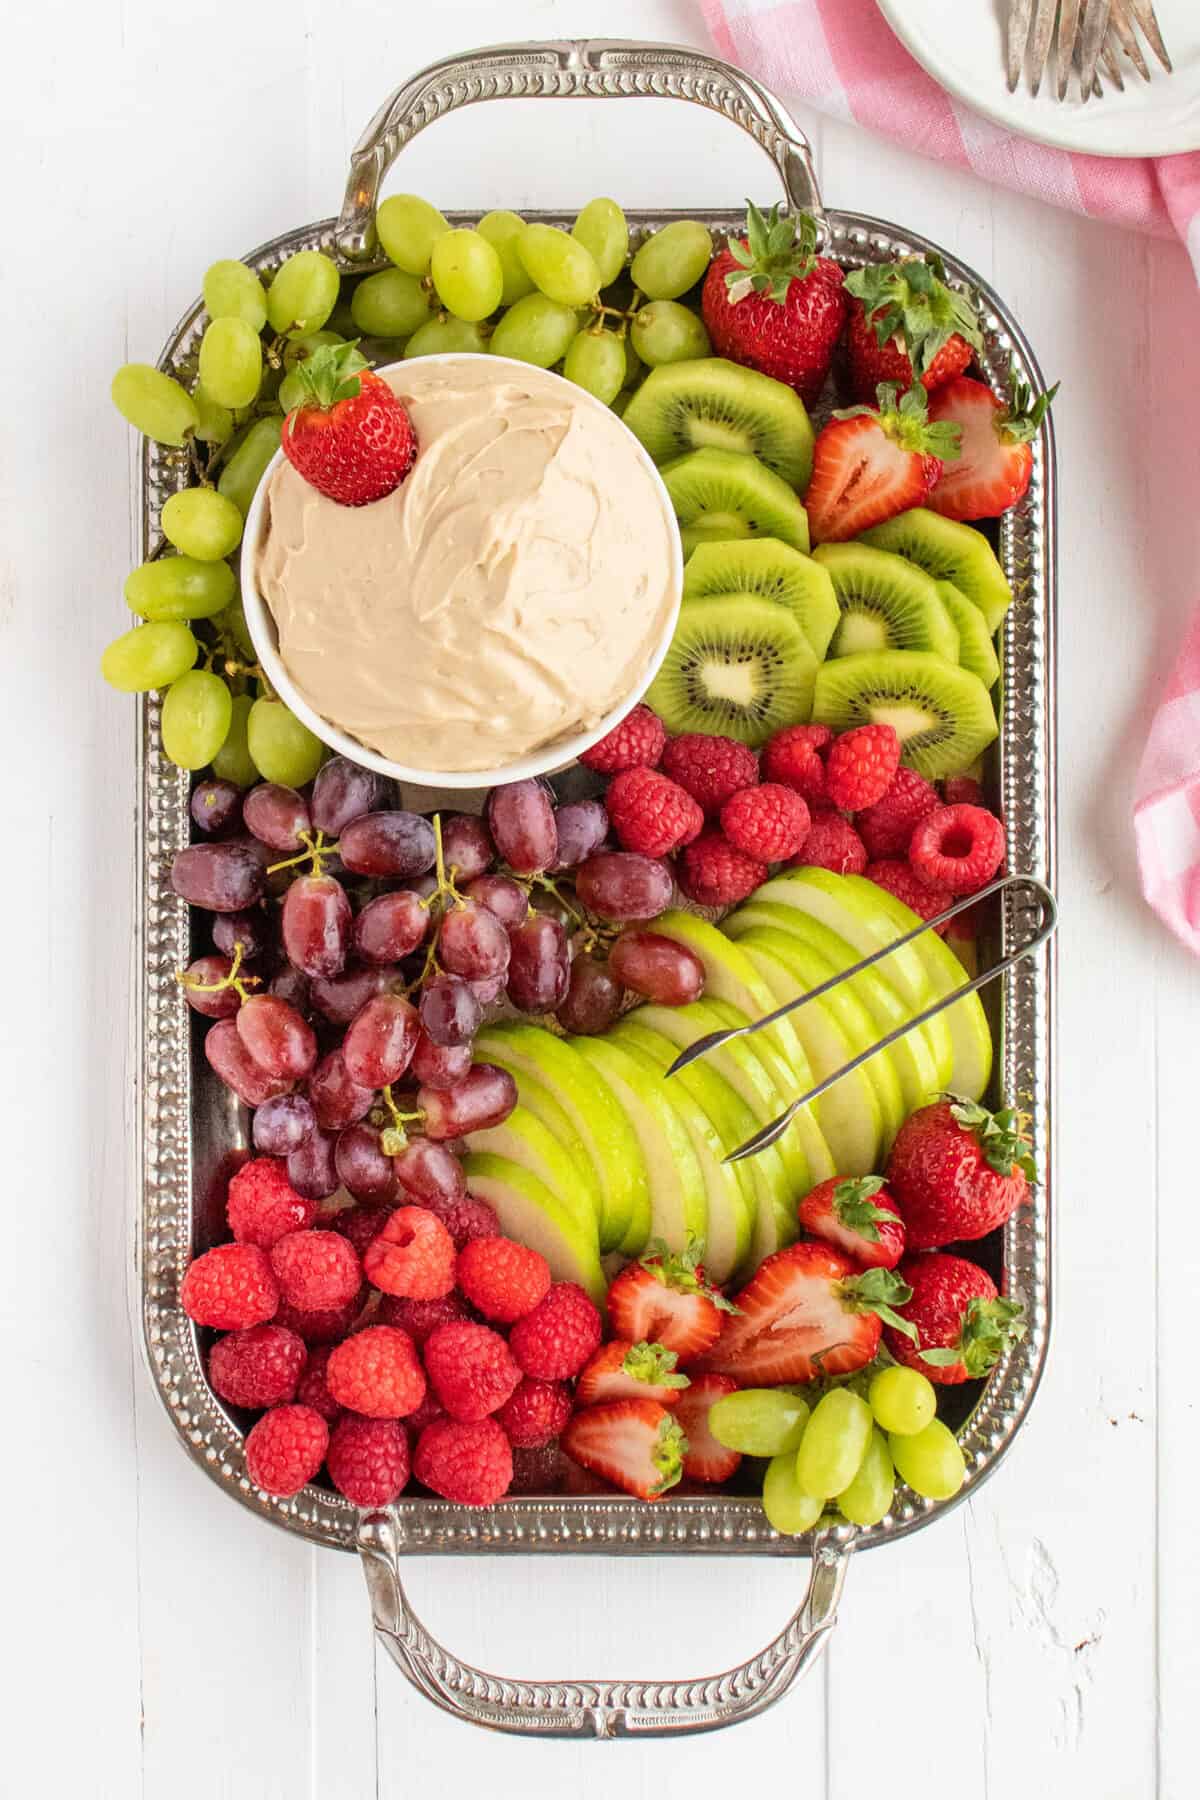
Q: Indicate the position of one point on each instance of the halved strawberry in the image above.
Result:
(622, 1370)
(906, 321)
(807, 1312)
(869, 465)
(859, 1216)
(667, 1300)
(704, 1459)
(993, 471)
(635, 1444)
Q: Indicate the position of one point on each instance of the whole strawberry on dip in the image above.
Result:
(771, 303)
(350, 437)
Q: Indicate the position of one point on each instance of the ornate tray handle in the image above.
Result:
(582, 69)
(594, 1709)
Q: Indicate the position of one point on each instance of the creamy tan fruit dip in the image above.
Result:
(509, 593)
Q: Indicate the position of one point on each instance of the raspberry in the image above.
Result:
(316, 1270)
(257, 1367)
(650, 813)
(471, 1369)
(464, 1218)
(794, 757)
(769, 822)
(860, 766)
(887, 827)
(327, 1325)
(361, 1224)
(421, 1318)
(636, 743)
(713, 873)
(554, 1341)
(368, 1460)
(430, 1409)
(376, 1372)
(832, 843)
(504, 1280)
(900, 879)
(962, 790)
(536, 1471)
(709, 768)
(230, 1287)
(286, 1448)
(535, 1412)
(263, 1206)
(413, 1256)
(314, 1388)
(468, 1463)
(958, 847)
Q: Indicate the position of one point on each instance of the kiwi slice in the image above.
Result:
(765, 569)
(976, 650)
(885, 603)
(949, 551)
(942, 715)
(714, 404)
(724, 494)
(737, 666)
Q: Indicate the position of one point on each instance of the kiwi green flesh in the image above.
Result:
(719, 494)
(766, 569)
(949, 551)
(885, 603)
(976, 652)
(736, 666)
(942, 715)
(712, 403)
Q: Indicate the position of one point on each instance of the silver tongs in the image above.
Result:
(1048, 920)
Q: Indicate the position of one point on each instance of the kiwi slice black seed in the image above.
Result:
(949, 551)
(941, 713)
(885, 603)
(765, 569)
(723, 494)
(976, 650)
(739, 667)
(714, 404)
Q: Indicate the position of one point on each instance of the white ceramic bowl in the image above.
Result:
(556, 755)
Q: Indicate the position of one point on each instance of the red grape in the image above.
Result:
(428, 1171)
(488, 989)
(292, 985)
(473, 942)
(278, 1039)
(541, 965)
(283, 1124)
(437, 1067)
(218, 877)
(582, 827)
(317, 923)
(619, 884)
(657, 967)
(423, 886)
(450, 1012)
(340, 997)
(252, 930)
(502, 896)
(336, 1098)
(209, 970)
(342, 791)
(593, 998)
(467, 848)
(216, 806)
(378, 1046)
(390, 926)
(389, 843)
(311, 1168)
(484, 1099)
(521, 819)
(276, 816)
(362, 1168)
(229, 1058)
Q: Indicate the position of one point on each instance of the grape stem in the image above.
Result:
(316, 851)
(394, 1138)
(239, 984)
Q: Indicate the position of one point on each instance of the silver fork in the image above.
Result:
(1089, 33)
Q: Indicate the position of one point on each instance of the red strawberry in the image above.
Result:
(704, 1459)
(634, 1444)
(858, 1216)
(667, 1300)
(350, 437)
(904, 318)
(993, 470)
(956, 1171)
(963, 1326)
(622, 1370)
(771, 303)
(869, 465)
(806, 1312)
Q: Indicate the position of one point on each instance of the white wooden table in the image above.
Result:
(160, 1641)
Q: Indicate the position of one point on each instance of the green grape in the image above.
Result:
(536, 330)
(559, 265)
(635, 368)
(929, 1460)
(391, 304)
(595, 360)
(232, 625)
(214, 423)
(467, 274)
(196, 711)
(869, 1496)
(834, 1443)
(903, 1400)
(292, 392)
(303, 293)
(154, 404)
(281, 748)
(179, 587)
(408, 227)
(601, 228)
(233, 761)
(502, 229)
(673, 260)
(149, 656)
(231, 362)
(202, 523)
(298, 350)
(621, 402)
(759, 1421)
(665, 332)
(245, 468)
(788, 1508)
(232, 291)
(445, 334)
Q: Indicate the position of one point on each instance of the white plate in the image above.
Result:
(961, 43)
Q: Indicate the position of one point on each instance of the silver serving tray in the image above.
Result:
(193, 1132)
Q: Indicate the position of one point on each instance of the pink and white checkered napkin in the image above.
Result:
(841, 57)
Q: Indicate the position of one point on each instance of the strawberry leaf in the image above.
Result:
(853, 1207)
(912, 301)
(668, 1453)
(655, 1364)
(683, 1273)
(1003, 1137)
(776, 251)
(1021, 420)
(331, 374)
(879, 1291)
(988, 1328)
(906, 422)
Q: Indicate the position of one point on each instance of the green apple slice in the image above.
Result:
(536, 1097)
(524, 1140)
(837, 902)
(610, 1143)
(675, 1184)
(532, 1215)
(788, 1082)
(729, 975)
